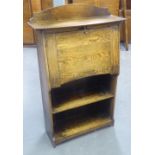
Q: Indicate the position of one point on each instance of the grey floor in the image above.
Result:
(110, 141)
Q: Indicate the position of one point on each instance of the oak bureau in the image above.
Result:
(78, 53)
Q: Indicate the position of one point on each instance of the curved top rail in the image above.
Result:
(68, 16)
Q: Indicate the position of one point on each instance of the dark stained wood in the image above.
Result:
(29, 8)
(124, 8)
(128, 4)
(45, 84)
(78, 52)
(82, 126)
(128, 18)
(28, 37)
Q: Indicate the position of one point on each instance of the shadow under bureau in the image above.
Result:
(78, 53)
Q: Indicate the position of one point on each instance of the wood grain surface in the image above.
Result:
(79, 65)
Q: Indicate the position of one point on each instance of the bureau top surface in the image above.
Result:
(72, 15)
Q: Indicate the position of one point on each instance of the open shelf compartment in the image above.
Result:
(81, 93)
(78, 121)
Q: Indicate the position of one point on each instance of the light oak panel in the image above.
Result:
(91, 53)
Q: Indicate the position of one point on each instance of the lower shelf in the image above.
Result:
(80, 127)
(80, 101)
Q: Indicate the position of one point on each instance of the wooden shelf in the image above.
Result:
(78, 121)
(80, 101)
(78, 86)
(81, 126)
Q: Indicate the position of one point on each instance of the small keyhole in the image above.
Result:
(85, 30)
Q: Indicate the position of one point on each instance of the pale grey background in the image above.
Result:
(58, 2)
(110, 141)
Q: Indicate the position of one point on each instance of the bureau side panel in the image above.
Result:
(45, 84)
(115, 51)
(116, 62)
(52, 57)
